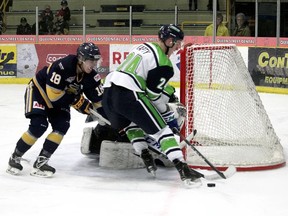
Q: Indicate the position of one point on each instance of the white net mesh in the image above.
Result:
(232, 125)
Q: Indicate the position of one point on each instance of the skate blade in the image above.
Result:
(13, 170)
(192, 184)
(41, 174)
(153, 173)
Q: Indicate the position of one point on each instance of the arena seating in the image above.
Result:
(111, 17)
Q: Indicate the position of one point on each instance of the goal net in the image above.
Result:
(224, 107)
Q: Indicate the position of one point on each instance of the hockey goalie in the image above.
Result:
(114, 149)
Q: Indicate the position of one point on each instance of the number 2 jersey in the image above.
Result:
(59, 83)
(146, 69)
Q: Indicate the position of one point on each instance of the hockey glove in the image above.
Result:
(170, 119)
(82, 105)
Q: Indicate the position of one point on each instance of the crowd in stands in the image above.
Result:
(221, 29)
(2, 23)
(24, 28)
(242, 27)
(47, 23)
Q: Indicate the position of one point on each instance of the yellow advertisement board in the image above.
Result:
(8, 60)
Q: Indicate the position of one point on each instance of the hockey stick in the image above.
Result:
(98, 116)
(176, 131)
(230, 171)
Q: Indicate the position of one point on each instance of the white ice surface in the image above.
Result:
(81, 187)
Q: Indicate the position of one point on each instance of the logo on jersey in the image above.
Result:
(61, 66)
(144, 49)
(37, 105)
(97, 77)
(70, 79)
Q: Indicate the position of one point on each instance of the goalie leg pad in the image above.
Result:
(85, 141)
(119, 155)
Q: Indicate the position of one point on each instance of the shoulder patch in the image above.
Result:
(97, 77)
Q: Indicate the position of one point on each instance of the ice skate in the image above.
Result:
(14, 165)
(41, 168)
(149, 162)
(190, 177)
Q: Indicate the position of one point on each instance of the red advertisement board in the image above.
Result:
(48, 53)
(135, 39)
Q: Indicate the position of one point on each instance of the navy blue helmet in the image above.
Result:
(88, 51)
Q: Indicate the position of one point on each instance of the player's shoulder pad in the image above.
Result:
(68, 63)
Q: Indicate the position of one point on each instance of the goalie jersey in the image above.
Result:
(146, 69)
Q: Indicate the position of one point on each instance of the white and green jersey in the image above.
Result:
(146, 69)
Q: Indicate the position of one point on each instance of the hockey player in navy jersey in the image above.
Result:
(48, 98)
(133, 100)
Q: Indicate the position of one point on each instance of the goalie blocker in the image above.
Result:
(115, 150)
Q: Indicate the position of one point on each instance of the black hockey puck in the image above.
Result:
(211, 184)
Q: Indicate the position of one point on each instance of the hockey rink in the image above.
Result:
(81, 187)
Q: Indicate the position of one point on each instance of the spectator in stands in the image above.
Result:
(210, 5)
(42, 27)
(65, 11)
(221, 29)
(24, 28)
(61, 26)
(195, 5)
(2, 23)
(48, 17)
(242, 28)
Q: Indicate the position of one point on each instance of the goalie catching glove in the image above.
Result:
(175, 115)
(82, 105)
(170, 119)
(180, 112)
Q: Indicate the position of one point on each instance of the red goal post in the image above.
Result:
(224, 107)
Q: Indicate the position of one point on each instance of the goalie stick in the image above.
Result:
(228, 172)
